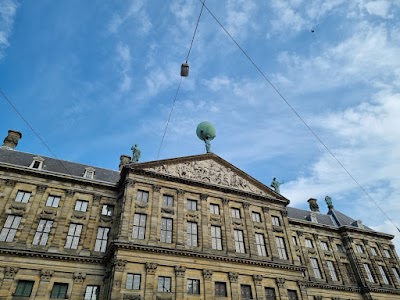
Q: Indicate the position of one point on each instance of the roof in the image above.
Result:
(24, 159)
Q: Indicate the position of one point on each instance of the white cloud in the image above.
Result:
(379, 8)
(124, 61)
(8, 9)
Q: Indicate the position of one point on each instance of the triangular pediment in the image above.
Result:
(210, 169)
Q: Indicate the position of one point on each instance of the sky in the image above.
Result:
(92, 78)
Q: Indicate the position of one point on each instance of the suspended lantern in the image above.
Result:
(185, 70)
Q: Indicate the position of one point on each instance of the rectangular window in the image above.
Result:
(292, 295)
(24, 288)
(239, 241)
(107, 210)
(383, 274)
(235, 213)
(168, 200)
(191, 234)
(370, 278)
(280, 244)
(360, 249)
(270, 293)
(214, 209)
(36, 164)
(294, 239)
(81, 205)
(139, 226)
(101, 239)
(92, 292)
(142, 196)
(315, 267)
(10, 228)
(246, 292)
(23, 196)
(59, 291)
(275, 221)
(42, 232)
(191, 204)
(340, 248)
(373, 251)
(216, 238)
(166, 230)
(386, 252)
(260, 242)
(73, 236)
(133, 281)
(220, 289)
(324, 246)
(309, 243)
(256, 217)
(193, 286)
(164, 284)
(396, 274)
(53, 201)
(332, 270)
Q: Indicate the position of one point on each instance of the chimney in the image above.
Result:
(11, 140)
(313, 204)
(124, 160)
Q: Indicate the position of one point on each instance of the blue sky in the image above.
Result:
(95, 77)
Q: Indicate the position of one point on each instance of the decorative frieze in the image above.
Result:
(10, 272)
(280, 281)
(180, 271)
(233, 277)
(45, 275)
(120, 264)
(168, 210)
(207, 274)
(48, 213)
(257, 279)
(18, 208)
(132, 297)
(141, 204)
(79, 277)
(158, 297)
(151, 268)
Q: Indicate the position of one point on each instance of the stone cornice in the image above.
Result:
(313, 284)
(175, 252)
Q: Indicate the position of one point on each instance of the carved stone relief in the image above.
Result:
(10, 182)
(207, 274)
(45, 275)
(257, 279)
(233, 277)
(41, 188)
(120, 264)
(10, 272)
(79, 277)
(151, 268)
(132, 297)
(180, 271)
(280, 281)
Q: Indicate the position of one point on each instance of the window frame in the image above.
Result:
(374, 251)
(270, 293)
(370, 277)
(192, 234)
(309, 243)
(387, 253)
(10, 228)
(72, 237)
(81, 205)
(168, 200)
(164, 289)
(216, 241)
(133, 281)
(383, 274)
(61, 294)
(324, 246)
(281, 247)
(93, 294)
(396, 274)
(315, 267)
(139, 226)
(140, 195)
(292, 295)
(101, 239)
(23, 196)
(239, 241)
(191, 204)
(260, 243)
(24, 288)
(235, 213)
(214, 209)
(275, 221)
(107, 210)
(42, 232)
(220, 289)
(246, 292)
(167, 227)
(360, 249)
(332, 270)
(256, 216)
(53, 201)
(193, 286)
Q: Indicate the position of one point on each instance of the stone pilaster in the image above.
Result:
(228, 240)
(273, 251)
(280, 282)
(79, 288)
(180, 287)
(235, 290)
(154, 218)
(45, 277)
(208, 291)
(291, 251)
(149, 291)
(303, 290)
(251, 247)
(260, 294)
(180, 220)
(204, 232)
(119, 268)
(8, 280)
(126, 209)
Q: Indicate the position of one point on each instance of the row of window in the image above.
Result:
(38, 163)
(386, 252)
(382, 272)
(59, 290)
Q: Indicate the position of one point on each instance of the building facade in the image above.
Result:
(186, 228)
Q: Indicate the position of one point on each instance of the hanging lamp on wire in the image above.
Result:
(185, 70)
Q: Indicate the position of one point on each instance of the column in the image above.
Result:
(235, 291)
(280, 282)
(208, 291)
(45, 276)
(273, 251)
(154, 220)
(249, 231)
(303, 290)
(78, 288)
(228, 240)
(126, 209)
(8, 280)
(180, 220)
(180, 286)
(149, 290)
(290, 249)
(259, 288)
(119, 267)
(205, 231)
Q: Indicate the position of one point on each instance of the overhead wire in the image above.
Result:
(298, 115)
(180, 81)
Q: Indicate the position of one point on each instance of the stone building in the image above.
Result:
(192, 227)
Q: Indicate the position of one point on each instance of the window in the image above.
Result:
(216, 238)
(23, 197)
(384, 276)
(315, 267)
(89, 173)
(92, 292)
(360, 249)
(191, 234)
(53, 201)
(332, 270)
(239, 241)
(164, 284)
(166, 230)
(256, 217)
(270, 293)
(294, 240)
(139, 226)
(107, 210)
(373, 251)
(168, 200)
(10, 228)
(309, 243)
(59, 290)
(42, 232)
(324, 246)
(133, 281)
(73, 236)
(396, 274)
(214, 209)
(275, 221)
(220, 289)
(142, 196)
(260, 242)
(37, 163)
(81, 205)
(24, 288)
(280, 244)
(246, 291)
(193, 286)
(340, 248)
(386, 252)
(101, 239)
(370, 278)
(191, 204)
(292, 295)
(235, 213)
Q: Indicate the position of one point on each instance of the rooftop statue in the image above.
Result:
(206, 132)
(328, 201)
(276, 184)
(135, 153)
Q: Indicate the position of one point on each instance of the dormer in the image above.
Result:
(37, 163)
(89, 173)
(358, 224)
